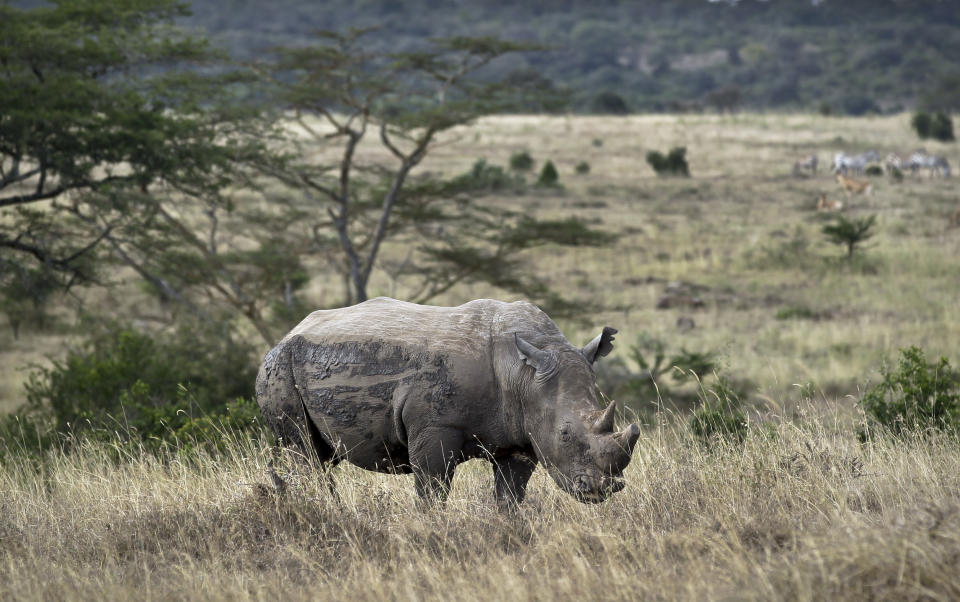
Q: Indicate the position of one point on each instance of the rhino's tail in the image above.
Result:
(283, 407)
(312, 434)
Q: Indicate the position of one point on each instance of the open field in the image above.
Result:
(801, 512)
(741, 228)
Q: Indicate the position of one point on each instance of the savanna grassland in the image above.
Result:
(800, 510)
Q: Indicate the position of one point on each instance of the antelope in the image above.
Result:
(809, 163)
(851, 186)
(825, 204)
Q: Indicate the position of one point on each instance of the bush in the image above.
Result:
(548, 175)
(673, 164)
(938, 126)
(917, 396)
(147, 387)
(609, 103)
(720, 415)
(484, 177)
(521, 161)
(850, 233)
(874, 170)
(921, 122)
(942, 128)
(582, 167)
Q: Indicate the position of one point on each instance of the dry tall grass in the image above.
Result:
(801, 511)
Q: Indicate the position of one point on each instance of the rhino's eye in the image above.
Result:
(564, 433)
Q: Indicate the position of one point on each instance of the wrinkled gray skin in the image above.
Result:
(395, 387)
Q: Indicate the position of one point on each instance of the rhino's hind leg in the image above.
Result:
(434, 455)
(510, 476)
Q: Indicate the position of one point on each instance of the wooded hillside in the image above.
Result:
(846, 57)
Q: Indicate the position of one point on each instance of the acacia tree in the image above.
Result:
(117, 148)
(341, 92)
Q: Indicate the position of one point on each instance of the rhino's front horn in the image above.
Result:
(627, 438)
(604, 423)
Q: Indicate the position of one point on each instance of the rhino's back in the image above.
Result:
(465, 329)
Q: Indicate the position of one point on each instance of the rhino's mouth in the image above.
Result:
(593, 490)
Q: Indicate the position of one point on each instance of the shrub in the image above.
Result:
(850, 233)
(874, 170)
(609, 103)
(521, 161)
(147, 386)
(917, 396)
(720, 415)
(938, 126)
(921, 122)
(548, 175)
(650, 355)
(673, 164)
(941, 128)
(582, 167)
(484, 177)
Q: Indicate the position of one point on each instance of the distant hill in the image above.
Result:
(842, 56)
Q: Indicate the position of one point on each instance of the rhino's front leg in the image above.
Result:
(510, 476)
(434, 454)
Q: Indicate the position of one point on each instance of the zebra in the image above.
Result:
(843, 162)
(895, 161)
(935, 164)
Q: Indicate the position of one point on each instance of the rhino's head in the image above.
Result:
(572, 436)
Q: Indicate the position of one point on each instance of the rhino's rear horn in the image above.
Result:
(604, 423)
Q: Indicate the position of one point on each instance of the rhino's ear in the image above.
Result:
(542, 361)
(600, 346)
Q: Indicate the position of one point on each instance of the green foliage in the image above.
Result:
(850, 232)
(915, 397)
(149, 387)
(521, 161)
(779, 54)
(720, 415)
(921, 122)
(548, 175)
(938, 126)
(673, 164)
(796, 312)
(582, 167)
(652, 358)
(942, 128)
(25, 292)
(873, 170)
(484, 177)
(724, 99)
(609, 103)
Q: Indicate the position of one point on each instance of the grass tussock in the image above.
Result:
(795, 511)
